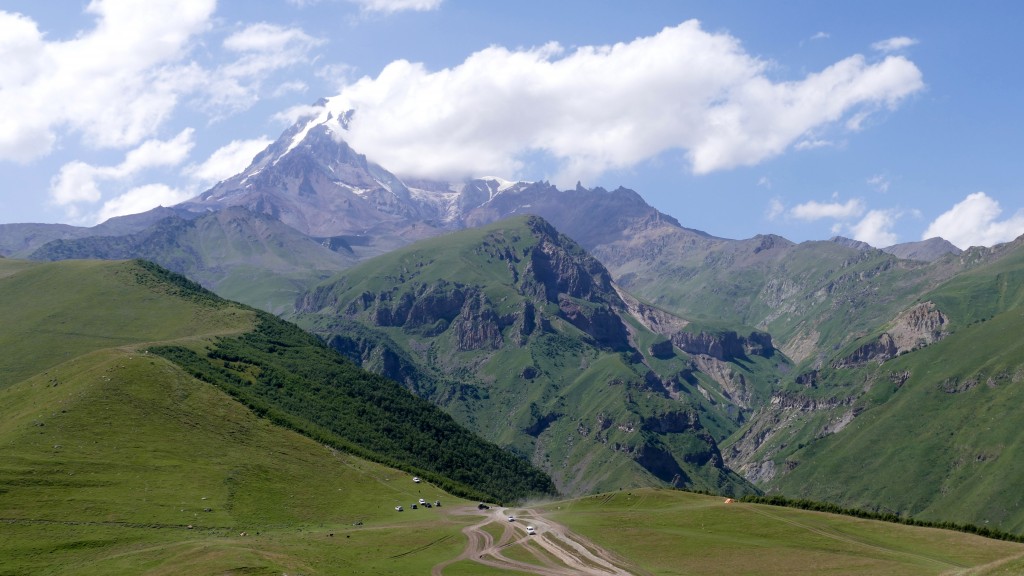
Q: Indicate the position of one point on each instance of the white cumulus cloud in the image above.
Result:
(114, 84)
(974, 221)
(228, 160)
(81, 182)
(876, 228)
(141, 199)
(117, 83)
(597, 108)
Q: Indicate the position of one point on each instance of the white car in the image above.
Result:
(398, 508)
(416, 479)
(422, 501)
(531, 530)
(511, 518)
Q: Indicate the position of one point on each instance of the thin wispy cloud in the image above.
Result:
(894, 44)
(814, 210)
(880, 183)
(392, 6)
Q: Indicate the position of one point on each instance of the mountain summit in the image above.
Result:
(313, 181)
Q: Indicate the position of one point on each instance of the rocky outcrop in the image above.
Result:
(600, 322)
(654, 319)
(919, 326)
(662, 349)
(773, 425)
(734, 385)
(724, 346)
(672, 422)
(557, 266)
(658, 460)
(916, 327)
(478, 326)
(878, 350)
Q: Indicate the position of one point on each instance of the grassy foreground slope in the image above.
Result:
(108, 458)
(108, 452)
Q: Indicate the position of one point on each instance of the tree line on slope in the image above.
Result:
(291, 377)
(804, 504)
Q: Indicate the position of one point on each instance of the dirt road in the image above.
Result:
(553, 550)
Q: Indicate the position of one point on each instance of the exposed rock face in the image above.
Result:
(663, 349)
(878, 350)
(916, 327)
(600, 322)
(919, 326)
(552, 270)
(478, 326)
(769, 427)
(734, 385)
(658, 459)
(654, 319)
(724, 345)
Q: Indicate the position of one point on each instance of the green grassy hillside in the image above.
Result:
(116, 460)
(57, 312)
(53, 312)
(520, 335)
(933, 433)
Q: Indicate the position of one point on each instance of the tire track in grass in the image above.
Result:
(575, 555)
(984, 568)
(424, 547)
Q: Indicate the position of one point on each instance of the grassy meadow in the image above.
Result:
(669, 532)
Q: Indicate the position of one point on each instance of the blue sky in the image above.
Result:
(882, 121)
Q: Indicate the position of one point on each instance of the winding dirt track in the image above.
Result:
(557, 550)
